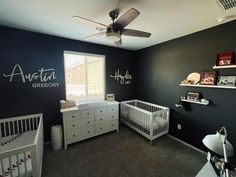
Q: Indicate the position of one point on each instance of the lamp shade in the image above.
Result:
(214, 143)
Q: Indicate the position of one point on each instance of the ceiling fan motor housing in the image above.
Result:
(113, 34)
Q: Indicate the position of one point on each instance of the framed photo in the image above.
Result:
(111, 97)
(208, 78)
(228, 81)
(192, 95)
(226, 58)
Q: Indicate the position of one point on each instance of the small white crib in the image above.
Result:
(150, 120)
(21, 146)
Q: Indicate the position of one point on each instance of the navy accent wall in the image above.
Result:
(32, 51)
(162, 67)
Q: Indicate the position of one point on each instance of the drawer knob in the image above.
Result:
(101, 119)
(88, 122)
(112, 109)
(112, 116)
(73, 135)
(73, 116)
(101, 128)
(88, 114)
(73, 125)
(112, 125)
(101, 111)
(88, 131)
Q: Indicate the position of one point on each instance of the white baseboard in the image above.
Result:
(189, 145)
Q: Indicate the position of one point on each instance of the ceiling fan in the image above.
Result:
(116, 29)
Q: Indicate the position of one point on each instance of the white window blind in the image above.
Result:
(84, 76)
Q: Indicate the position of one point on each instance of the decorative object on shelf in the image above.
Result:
(205, 101)
(218, 144)
(193, 78)
(111, 97)
(208, 78)
(226, 58)
(67, 103)
(226, 81)
(192, 95)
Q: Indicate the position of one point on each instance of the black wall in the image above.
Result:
(33, 51)
(162, 67)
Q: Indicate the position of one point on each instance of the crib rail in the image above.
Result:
(18, 159)
(13, 161)
(18, 125)
(148, 119)
(149, 107)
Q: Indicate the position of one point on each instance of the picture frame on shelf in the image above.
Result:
(228, 81)
(224, 59)
(192, 95)
(110, 97)
(208, 78)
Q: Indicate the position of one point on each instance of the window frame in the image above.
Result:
(87, 55)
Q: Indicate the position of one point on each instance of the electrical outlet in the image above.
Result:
(179, 126)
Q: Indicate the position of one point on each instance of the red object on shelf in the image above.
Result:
(226, 58)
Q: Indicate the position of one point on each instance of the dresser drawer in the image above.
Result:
(112, 109)
(100, 111)
(72, 136)
(100, 119)
(85, 132)
(86, 121)
(85, 113)
(106, 127)
(112, 125)
(112, 116)
(73, 115)
(72, 124)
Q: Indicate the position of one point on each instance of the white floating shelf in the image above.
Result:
(207, 86)
(224, 67)
(195, 101)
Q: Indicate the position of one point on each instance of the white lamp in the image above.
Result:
(218, 144)
(113, 36)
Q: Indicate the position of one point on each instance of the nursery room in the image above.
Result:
(119, 88)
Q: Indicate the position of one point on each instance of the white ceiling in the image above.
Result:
(165, 19)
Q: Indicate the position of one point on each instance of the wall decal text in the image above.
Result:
(122, 79)
(41, 79)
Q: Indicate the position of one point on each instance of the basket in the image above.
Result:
(67, 103)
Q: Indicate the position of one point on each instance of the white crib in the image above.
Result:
(150, 120)
(21, 146)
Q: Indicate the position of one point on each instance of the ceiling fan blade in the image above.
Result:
(135, 33)
(126, 18)
(94, 35)
(100, 25)
(119, 42)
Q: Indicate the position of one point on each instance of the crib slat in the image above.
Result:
(18, 164)
(9, 128)
(13, 124)
(10, 166)
(25, 164)
(26, 128)
(2, 167)
(37, 122)
(22, 126)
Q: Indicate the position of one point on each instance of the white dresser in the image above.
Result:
(89, 120)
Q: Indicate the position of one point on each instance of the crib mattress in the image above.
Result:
(14, 142)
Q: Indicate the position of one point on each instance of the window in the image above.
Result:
(84, 76)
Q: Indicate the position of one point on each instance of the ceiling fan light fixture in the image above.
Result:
(113, 36)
